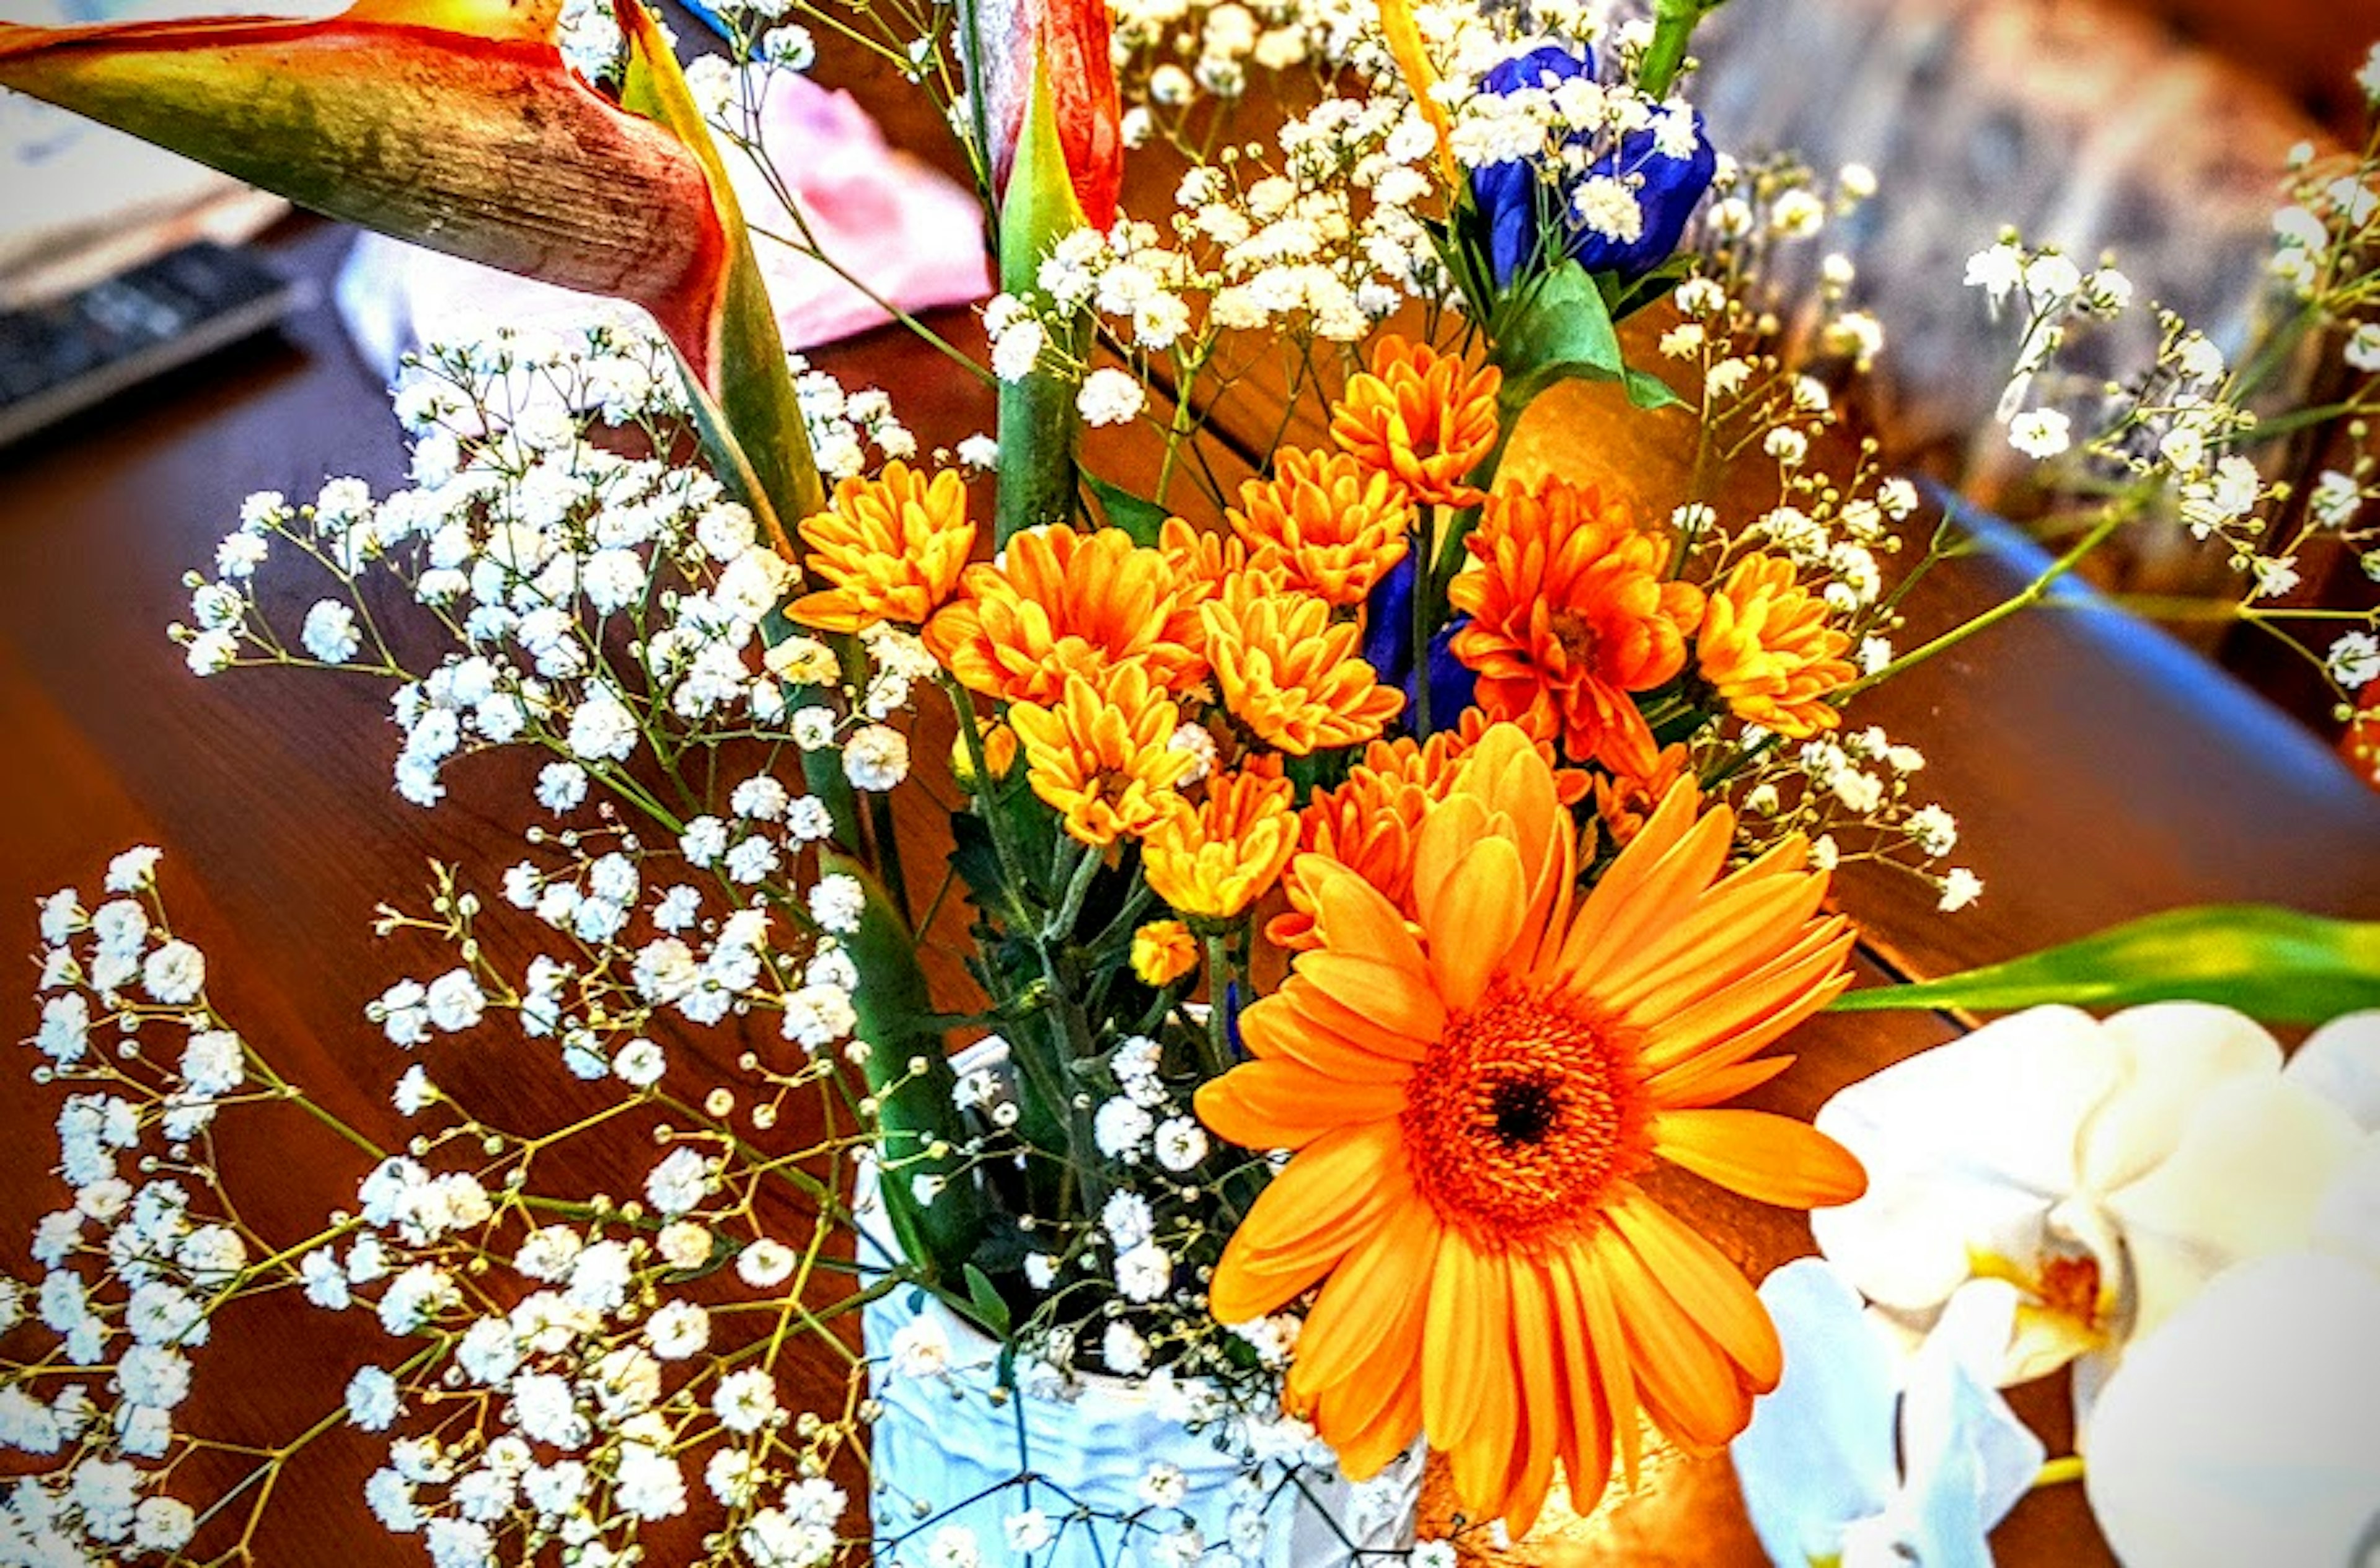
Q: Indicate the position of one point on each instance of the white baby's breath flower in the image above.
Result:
(2041, 434)
(1960, 887)
(2354, 660)
(1110, 396)
(876, 757)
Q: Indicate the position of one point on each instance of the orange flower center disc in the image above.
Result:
(1524, 1116)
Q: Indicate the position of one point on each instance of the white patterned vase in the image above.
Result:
(1119, 1478)
(951, 1444)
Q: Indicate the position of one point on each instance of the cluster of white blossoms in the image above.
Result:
(1849, 794)
(588, 1399)
(146, 1251)
(533, 548)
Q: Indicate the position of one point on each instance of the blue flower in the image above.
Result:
(1817, 1464)
(1522, 210)
(1388, 648)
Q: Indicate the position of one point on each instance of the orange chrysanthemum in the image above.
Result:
(1625, 801)
(1472, 1101)
(1336, 526)
(1163, 952)
(1572, 610)
(1366, 824)
(1421, 416)
(1213, 863)
(1064, 604)
(1767, 647)
(1101, 755)
(892, 547)
(1204, 560)
(1291, 674)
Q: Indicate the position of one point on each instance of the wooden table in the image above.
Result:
(2099, 772)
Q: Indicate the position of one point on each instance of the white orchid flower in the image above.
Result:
(1864, 1458)
(2247, 1428)
(2107, 1170)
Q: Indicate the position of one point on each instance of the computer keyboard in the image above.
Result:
(67, 354)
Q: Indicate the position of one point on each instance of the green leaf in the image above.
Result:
(990, 1310)
(2270, 962)
(1561, 330)
(1649, 390)
(914, 1111)
(1143, 520)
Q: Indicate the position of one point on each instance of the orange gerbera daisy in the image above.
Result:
(1572, 609)
(1213, 863)
(1101, 755)
(1471, 1105)
(1061, 603)
(1422, 417)
(892, 547)
(1768, 651)
(1336, 526)
(1291, 674)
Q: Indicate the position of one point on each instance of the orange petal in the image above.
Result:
(1274, 1030)
(1608, 1343)
(1690, 1389)
(1400, 999)
(1587, 1426)
(1537, 1359)
(1325, 1201)
(1472, 917)
(1703, 1282)
(1771, 1158)
(1467, 1388)
(1733, 1023)
(1279, 1104)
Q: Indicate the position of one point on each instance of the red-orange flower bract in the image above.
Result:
(1471, 1104)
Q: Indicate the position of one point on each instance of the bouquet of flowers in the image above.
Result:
(1220, 954)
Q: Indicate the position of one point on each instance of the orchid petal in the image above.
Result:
(2175, 1053)
(1968, 1459)
(2241, 1182)
(2340, 1061)
(1967, 1147)
(2248, 1429)
(1818, 1452)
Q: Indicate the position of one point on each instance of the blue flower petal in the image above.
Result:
(1819, 1451)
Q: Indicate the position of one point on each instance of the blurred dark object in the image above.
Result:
(64, 356)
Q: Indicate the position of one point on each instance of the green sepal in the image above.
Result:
(1143, 520)
(2270, 962)
(1038, 421)
(914, 1111)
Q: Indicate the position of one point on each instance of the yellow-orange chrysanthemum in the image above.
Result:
(1335, 525)
(1471, 1101)
(893, 548)
(1625, 801)
(1213, 863)
(1421, 416)
(1572, 609)
(1101, 755)
(1163, 952)
(1063, 603)
(1769, 651)
(1291, 674)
